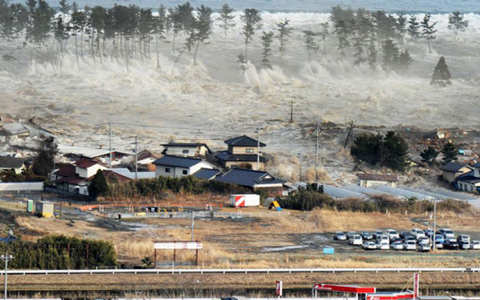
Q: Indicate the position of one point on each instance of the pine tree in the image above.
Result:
(429, 154)
(284, 32)
(404, 61)
(145, 30)
(372, 53)
(44, 161)
(159, 28)
(267, 38)
(202, 28)
(457, 22)
(98, 186)
(449, 152)
(413, 28)
(359, 48)
(251, 22)
(324, 34)
(226, 18)
(64, 7)
(78, 23)
(441, 74)
(428, 31)
(342, 31)
(390, 55)
(401, 28)
(310, 43)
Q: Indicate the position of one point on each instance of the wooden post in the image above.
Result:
(174, 256)
(155, 258)
(196, 257)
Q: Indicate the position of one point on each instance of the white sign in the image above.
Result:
(279, 288)
(177, 245)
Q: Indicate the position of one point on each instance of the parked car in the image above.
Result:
(463, 238)
(369, 246)
(423, 247)
(404, 234)
(447, 233)
(340, 236)
(392, 234)
(383, 246)
(396, 246)
(377, 234)
(417, 233)
(383, 239)
(464, 245)
(410, 245)
(350, 234)
(440, 238)
(410, 238)
(356, 239)
(429, 232)
(451, 244)
(438, 245)
(423, 240)
(395, 240)
(366, 235)
(475, 245)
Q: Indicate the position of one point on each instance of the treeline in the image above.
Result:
(124, 32)
(156, 187)
(60, 252)
(307, 200)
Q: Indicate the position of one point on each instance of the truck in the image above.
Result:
(244, 200)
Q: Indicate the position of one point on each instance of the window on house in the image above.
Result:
(185, 172)
(167, 170)
(250, 150)
(185, 151)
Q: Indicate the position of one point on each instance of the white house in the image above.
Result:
(451, 171)
(15, 163)
(470, 182)
(86, 168)
(174, 166)
(370, 180)
(186, 149)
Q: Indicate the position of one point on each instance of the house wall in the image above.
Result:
(449, 176)
(17, 170)
(373, 183)
(230, 164)
(243, 150)
(468, 187)
(85, 173)
(476, 172)
(177, 172)
(192, 151)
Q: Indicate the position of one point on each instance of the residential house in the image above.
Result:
(470, 181)
(253, 179)
(75, 179)
(145, 160)
(15, 163)
(131, 175)
(86, 168)
(243, 151)
(15, 130)
(451, 171)
(100, 154)
(186, 149)
(207, 174)
(174, 166)
(370, 180)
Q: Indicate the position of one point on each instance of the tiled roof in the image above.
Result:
(174, 161)
(184, 145)
(377, 177)
(85, 163)
(207, 174)
(453, 167)
(243, 141)
(11, 162)
(469, 179)
(228, 156)
(249, 178)
(67, 171)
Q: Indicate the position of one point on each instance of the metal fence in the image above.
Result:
(21, 186)
(198, 214)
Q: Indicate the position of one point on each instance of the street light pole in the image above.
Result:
(300, 166)
(434, 223)
(5, 257)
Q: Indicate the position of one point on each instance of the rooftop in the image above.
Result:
(85, 163)
(175, 161)
(184, 145)
(8, 162)
(377, 177)
(453, 167)
(249, 178)
(243, 141)
(207, 174)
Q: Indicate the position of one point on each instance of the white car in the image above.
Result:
(423, 247)
(423, 240)
(447, 233)
(392, 234)
(463, 238)
(475, 245)
(369, 246)
(383, 246)
(383, 239)
(439, 245)
(396, 246)
(418, 233)
(464, 245)
(356, 239)
(410, 245)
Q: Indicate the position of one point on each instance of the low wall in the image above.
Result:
(21, 186)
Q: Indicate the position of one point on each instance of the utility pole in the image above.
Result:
(316, 151)
(193, 224)
(434, 223)
(136, 157)
(258, 148)
(291, 112)
(110, 143)
(300, 166)
(6, 257)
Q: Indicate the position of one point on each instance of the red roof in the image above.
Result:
(71, 180)
(110, 174)
(67, 171)
(377, 177)
(344, 288)
(85, 163)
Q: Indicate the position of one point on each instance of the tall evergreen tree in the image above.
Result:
(413, 27)
(78, 24)
(310, 43)
(226, 18)
(64, 6)
(284, 32)
(372, 53)
(404, 61)
(429, 155)
(98, 186)
(441, 74)
(342, 31)
(145, 31)
(428, 30)
(401, 28)
(457, 22)
(324, 32)
(251, 19)
(202, 28)
(44, 162)
(390, 55)
(449, 152)
(159, 29)
(267, 38)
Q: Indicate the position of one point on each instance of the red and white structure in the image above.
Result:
(390, 296)
(244, 200)
(359, 291)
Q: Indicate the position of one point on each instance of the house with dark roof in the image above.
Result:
(186, 149)
(86, 168)
(174, 166)
(470, 181)
(15, 163)
(253, 179)
(451, 171)
(207, 174)
(75, 179)
(242, 151)
(370, 180)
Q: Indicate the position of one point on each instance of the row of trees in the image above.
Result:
(121, 32)
(60, 252)
(449, 152)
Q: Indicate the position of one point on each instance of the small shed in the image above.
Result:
(45, 209)
(30, 206)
